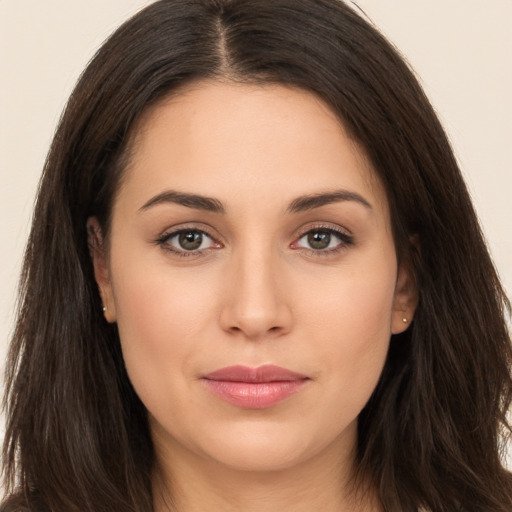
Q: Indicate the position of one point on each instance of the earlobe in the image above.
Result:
(405, 301)
(100, 264)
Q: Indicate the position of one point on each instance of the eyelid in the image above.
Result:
(327, 226)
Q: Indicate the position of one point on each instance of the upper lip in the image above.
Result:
(265, 373)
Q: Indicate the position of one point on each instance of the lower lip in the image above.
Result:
(254, 395)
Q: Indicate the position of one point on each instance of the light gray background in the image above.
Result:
(461, 50)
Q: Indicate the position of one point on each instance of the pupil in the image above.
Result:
(319, 239)
(190, 240)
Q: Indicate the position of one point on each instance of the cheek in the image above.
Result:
(350, 321)
(162, 316)
(357, 298)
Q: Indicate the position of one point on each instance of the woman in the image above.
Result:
(255, 281)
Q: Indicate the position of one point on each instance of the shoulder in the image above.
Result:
(18, 503)
(11, 505)
(14, 504)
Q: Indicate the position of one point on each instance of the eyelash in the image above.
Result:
(346, 240)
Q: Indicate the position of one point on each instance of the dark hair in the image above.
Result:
(434, 430)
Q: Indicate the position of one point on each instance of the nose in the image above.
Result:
(255, 303)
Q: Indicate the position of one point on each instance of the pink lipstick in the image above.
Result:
(254, 388)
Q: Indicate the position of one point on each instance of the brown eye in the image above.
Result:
(324, 240)
(190, 240)
(187, 241)
(319, 239)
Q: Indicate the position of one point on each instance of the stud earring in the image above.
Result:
(404, 320)
(104, 309)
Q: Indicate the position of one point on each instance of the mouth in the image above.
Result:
(254, 388)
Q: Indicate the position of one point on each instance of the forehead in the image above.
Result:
(245, 141)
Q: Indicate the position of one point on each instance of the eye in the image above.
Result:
(185, 242)
(324, 240)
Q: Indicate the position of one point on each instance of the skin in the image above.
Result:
(257, 292)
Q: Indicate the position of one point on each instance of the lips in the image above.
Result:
(254, 388)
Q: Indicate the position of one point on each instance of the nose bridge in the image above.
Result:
(256, 304)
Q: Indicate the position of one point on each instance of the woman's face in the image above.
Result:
(250, 230)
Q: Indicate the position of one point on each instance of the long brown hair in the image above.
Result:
(432, 433)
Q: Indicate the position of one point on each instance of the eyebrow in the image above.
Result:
(312, 201)
(300, 204)
(194, 201)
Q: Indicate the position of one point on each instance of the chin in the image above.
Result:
(260, 459)
(272, 448)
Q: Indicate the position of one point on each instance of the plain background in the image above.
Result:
(460, 49)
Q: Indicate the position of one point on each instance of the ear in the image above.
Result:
(101, 270)
(405, 301)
